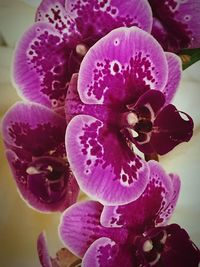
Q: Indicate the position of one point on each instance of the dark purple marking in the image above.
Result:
(54, 62)
(132, 78)
(172, 33)
(107, 146)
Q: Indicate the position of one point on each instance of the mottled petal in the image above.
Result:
(54, 13)
(86, 227)
(174, 76)
(34, 140)
(171, 127)
(104, 252)
(116, 72)
(176, 24)
(94, 18)
(74, 106)
(149, 209)
(105, 167)
(168, 210)
(43, 253)
(43, 65)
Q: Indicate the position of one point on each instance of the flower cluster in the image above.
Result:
(97, 80)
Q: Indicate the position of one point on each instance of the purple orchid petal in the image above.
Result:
(94, 18)
(176, 23)
(86, 227)
(43, 66)
(33, 136)
(74, 106)
(174, 76)
(116, 72)
(43, 253)
(54, 13)
(104, 166)
(171, 129)
(149, 209)
(104, 252)
(168, 210)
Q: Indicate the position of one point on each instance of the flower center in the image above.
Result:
(81, 50)
(137, 124)
(47, 178)
(150, 248)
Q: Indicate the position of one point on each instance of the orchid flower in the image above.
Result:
(63, 257)
(126, 82)
(176, 24)
(52, 49)
(35, 149)
(135, 234)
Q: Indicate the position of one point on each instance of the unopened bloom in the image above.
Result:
(125, 84)
(176, 24)
(35, 149)
(52, 49)
(135, 234)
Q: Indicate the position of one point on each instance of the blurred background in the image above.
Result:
(20, 225)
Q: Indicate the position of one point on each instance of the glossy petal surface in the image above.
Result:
(86, 227)
(149, 209)
(116, 72)
(104, 252)
(54, 13)
(34, 136)
(43, 66)
(176, 24)
(96, 18)
(74, 106)
(104, 166)
(174, 76)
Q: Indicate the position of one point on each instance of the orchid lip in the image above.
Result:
(49, 175)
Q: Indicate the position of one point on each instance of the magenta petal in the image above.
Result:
(74, 106)
(94, 19)
(34, 140)
(116, 72)
(149, 209)
(171, 129)
(168, 210)
(80, 227)
(43, 253)
(42, 66)
(54, 13)
(105, 167)
(174, 76)
(176, 25)
(104, 252)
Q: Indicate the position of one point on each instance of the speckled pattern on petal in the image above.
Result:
(43, 66)
(150, 209)
(116, 72)
(104, 166)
